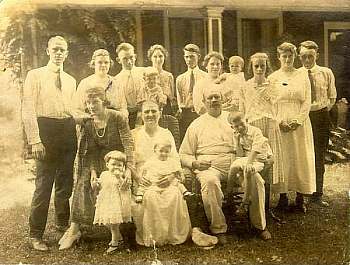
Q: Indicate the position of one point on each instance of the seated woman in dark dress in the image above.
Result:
(107, 130)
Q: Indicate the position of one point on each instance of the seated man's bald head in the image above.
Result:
(212, 89)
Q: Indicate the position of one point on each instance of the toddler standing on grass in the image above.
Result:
(113, 203)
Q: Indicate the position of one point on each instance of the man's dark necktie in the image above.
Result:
(312, 82)
(58, 82)
(192, 81)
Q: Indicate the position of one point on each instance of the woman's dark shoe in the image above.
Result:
(300, 204)
(282, 204)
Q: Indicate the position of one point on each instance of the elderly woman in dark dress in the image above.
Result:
(107, 130)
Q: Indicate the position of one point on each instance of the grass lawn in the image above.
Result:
(319, 237)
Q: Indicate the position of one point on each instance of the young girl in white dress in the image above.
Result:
(113, 203)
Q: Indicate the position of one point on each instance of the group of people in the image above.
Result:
(129, 169)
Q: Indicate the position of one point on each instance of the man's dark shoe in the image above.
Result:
(282, 204)
(223, 239)
(38, 244)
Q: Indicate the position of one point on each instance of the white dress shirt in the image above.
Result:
(41, 98)
(184, 97)
(131, 82)
(324, 83)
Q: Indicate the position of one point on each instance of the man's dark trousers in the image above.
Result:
(59, 139)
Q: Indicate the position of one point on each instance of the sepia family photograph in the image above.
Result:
(175, 132)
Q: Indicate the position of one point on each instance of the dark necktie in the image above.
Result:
(192, 81)
(58, 82)
(312, 83)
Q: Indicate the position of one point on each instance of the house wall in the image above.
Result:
(309, 26)
(229, 27)
(152, 31)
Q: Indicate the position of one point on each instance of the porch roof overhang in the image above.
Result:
(281, 5)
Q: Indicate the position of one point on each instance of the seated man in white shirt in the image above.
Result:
(208, 149)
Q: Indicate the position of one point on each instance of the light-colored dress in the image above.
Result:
(297, 145)
(155, 169)
(154, 94)
(163, 216)
(233, 91)
(260, 109)
(113, 205)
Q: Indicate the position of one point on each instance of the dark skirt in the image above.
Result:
(84, 198)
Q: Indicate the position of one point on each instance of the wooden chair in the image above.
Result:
(172, 124)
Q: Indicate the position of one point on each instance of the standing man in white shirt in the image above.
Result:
(130, 80)
(323, 97)
(50, 129)
(184, 87)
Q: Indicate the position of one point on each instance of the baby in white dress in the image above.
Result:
(161, 166)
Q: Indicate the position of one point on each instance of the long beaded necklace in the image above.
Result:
(98, 129)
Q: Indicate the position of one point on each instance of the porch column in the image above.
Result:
(139, 38)
(214, 20)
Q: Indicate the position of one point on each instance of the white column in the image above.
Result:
(210, 35)
(214, 19)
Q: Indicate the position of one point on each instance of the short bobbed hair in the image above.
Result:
(96, 92)
(100, 52)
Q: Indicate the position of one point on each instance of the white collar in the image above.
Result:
(196, 69)
(313, 69)
(54, 68)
